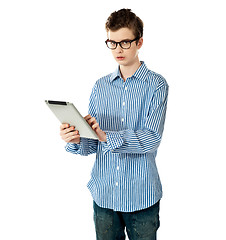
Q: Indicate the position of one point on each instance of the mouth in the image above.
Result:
(120, 58)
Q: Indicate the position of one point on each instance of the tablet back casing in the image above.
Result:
(67, 113)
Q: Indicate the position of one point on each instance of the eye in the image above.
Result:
(111, 44)
(125, 43)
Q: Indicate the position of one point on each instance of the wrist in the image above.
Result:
(104, 137)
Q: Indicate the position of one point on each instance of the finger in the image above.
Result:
(95, 126)
(87, 117)
(67, 130)
(71, 138)
(70, 135)
(70, 129)
(92, 120)
(64, 125)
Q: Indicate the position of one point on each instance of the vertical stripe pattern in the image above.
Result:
(132, 113)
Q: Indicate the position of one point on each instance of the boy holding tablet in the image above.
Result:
(127, 111)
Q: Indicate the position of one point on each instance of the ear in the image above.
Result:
(140, 43)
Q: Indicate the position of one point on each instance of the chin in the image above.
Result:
(123, 62)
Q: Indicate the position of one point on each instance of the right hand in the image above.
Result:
(69, 134)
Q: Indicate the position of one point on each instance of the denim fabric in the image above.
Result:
(139, 225)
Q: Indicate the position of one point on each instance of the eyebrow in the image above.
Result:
(121, 40)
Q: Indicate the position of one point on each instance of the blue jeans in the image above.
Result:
(140, 225)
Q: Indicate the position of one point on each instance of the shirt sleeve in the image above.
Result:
(147, 139)
(86, 146)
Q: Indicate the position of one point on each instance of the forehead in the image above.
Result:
(121, 34)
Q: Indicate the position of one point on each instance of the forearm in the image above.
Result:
(130, 141)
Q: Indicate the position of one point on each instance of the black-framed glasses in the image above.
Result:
(124, 44)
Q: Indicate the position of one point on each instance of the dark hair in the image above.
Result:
(125, 18)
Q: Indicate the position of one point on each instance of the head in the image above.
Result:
(125, 27)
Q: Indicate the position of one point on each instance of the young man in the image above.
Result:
(127, 111)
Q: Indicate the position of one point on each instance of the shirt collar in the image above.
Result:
(115, 74)
(140, 74)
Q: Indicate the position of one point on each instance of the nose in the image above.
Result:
(119, 49)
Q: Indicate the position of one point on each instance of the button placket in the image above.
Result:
(116, 183)
(124, 104)
(117, 173)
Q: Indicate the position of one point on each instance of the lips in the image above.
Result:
(120, 58)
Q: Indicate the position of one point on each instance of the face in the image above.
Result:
(125, 57)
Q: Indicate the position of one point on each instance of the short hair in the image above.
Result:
(125, 18)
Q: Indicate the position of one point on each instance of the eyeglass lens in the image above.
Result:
(123, 44)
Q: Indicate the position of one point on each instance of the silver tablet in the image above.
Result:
(67, 113)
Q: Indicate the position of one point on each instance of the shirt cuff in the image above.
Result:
(82, 148)
(73, 148)
(114, 140)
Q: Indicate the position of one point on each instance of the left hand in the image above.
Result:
(95, 126)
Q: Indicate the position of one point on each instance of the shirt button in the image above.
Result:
(126, 88)
(122, 119)
(117, 167)
(123, 103)
(116, 184)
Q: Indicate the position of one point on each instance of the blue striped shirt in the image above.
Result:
(132, 113)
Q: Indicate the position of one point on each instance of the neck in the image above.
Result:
(128, 71)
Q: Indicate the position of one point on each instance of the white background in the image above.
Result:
(56, 50)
